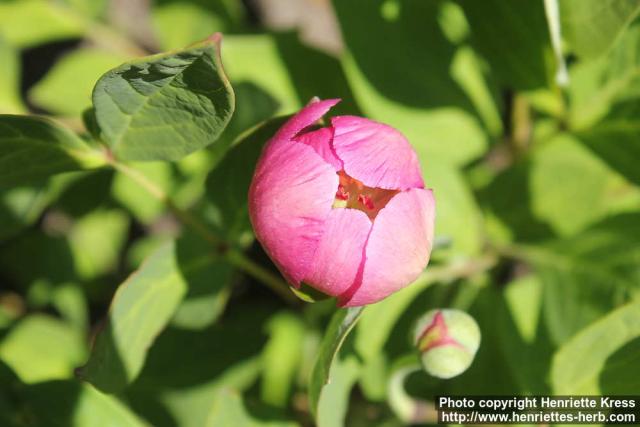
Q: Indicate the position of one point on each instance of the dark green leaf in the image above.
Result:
(523, 59)
(592, 26)
(341, 324)
(228, 184)
(33, 148)
(166, 106)
(617, 139)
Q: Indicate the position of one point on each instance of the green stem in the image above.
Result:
(409, 409)
(235, 257)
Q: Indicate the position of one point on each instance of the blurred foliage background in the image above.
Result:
(526, 118)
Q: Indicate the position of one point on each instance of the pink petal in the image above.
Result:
(320, 141)
(376, 154)
(341, 251)
(398, 248)
(289, 199)
(307, 116)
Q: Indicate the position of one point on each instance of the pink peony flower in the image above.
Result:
(342, 208)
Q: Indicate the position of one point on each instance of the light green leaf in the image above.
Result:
(568, 204)
(458, 217)
(584, 364)
(591, 27)
(30, 22)
(66, 88)
(41, 348)
(141, 308)
(399, 65)
(132, 103)
(10, 101)
(281, 358)
(341, 324)
(109, 228)
(178, 24)
(33, 148)
(514, 38)
(335, 397)
(229, 410)
(597, 85)
(144, 207)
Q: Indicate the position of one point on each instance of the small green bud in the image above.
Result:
(448, 340)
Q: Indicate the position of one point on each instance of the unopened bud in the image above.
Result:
(447, 340)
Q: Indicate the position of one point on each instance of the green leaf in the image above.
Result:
(21, 207)
(141, 308)
(568, 204)
(76, 405)
(30, 22)
(336, 395)
(110, 228)
(228, 184)
(137, 200)
(591, 27)
(209, 287)
(398, 64)
(229, 410)
(33, 148)
(597, 85)
(514, 38)
(41, 348)
(524, 342)
(459, 219)
(186, 369)
(341, 324)
(617, 139)
(584, 364)
(10, 101)
(66, 88)
(587, 275)
(281, 358)
(179, 24)
(132, 103)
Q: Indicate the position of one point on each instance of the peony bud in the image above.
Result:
(448, 340)
(342, 208)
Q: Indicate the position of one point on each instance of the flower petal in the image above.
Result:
(320, 141)
(398, 248)
(307, 116)
(289, 199)
(376, 154)
(340, 252)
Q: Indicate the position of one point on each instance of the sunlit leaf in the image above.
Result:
(141, 308)
(41, 348)
(66, 88)
(132, 103)
(592, 26)
(586, 363)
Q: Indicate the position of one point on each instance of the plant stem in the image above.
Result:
(235, 257)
